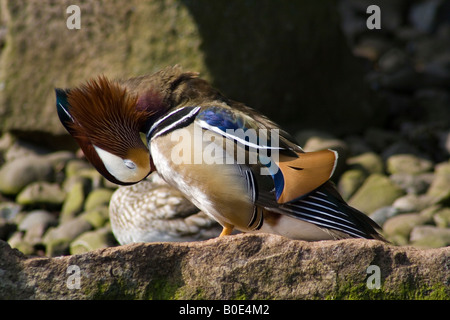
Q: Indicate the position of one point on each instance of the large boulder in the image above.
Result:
(288, 59)
(242, 266)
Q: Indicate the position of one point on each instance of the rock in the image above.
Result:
(381, 215)
(393, 60)
(193, 44)
(241, 266)
(376, 192)
(20, 149)
(96, 217)
(57, 240)
(34, 225)
(16, 241)
(92, 240)
(430, 237)
(350, 181)
(408, 163)
(96, 198)
(444, 138)
(412, 203)
(401, 225)
(41, 193)
(73, 167)
(428, 213)
(9, 210)
(440, 186)
(424, 15)
(442, 218)
(412, 184)
(18, 173)
(73, 203)
(370, 162)
(37, 217)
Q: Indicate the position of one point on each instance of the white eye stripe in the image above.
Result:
(129, 164)
(124, 170)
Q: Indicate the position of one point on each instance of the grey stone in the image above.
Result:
(393, 60)
(97, 217)
(73, 202)
(381, 215)
(401, 225)
(92, 240)
(370, 162)
(409, 164)
(9, 210)
(96, 198)
(68, 230)
(41, 193)
(376, 192)
(440, 186)
(193, 41)
(18, 173)
(442, 218)
(413, 184)
(412, 203)
(40, 217)
(350, 181)
(430, 236)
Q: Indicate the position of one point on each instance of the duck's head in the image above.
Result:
(106, 121)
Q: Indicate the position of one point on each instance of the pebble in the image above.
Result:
(402, 224)
(68, 230)
(430, 237)
(408, 164)
(41, 193)
(412, 184)
(18, 173)
(73, 203)
(380, 216)
(92, 240)
(411, 203)
(440, 186)
(98, 197)
(376, 192)
(37, 217)
(442, 218)
(350, 181)
(369, 162)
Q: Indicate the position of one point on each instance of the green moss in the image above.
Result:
(162, 289)
(406, 291)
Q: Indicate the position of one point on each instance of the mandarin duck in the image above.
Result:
(229, 160)
(152, 211)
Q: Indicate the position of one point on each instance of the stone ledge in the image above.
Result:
(243, 266)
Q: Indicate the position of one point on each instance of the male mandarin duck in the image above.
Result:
(230, 161)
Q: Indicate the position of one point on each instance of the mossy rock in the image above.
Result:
(376, 192)
(258, 52)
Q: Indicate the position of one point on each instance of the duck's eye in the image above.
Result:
(129, 164)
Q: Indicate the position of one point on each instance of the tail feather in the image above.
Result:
(325, 208)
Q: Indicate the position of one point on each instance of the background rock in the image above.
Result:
(233, 267)
(127, 38)
(18, 173)
(376, 192)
